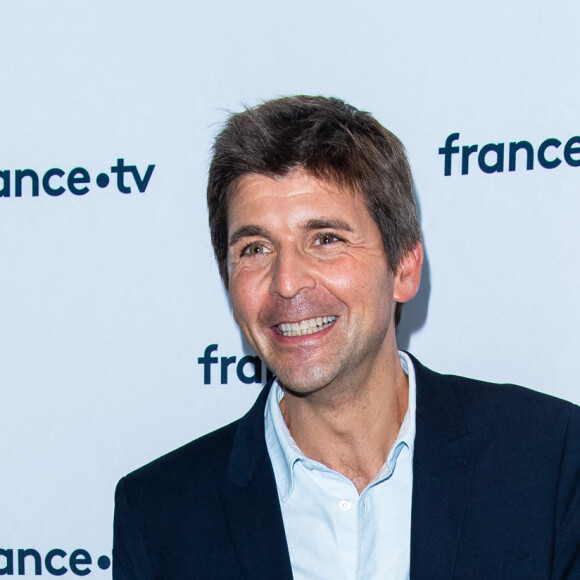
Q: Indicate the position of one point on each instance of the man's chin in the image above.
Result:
(302, 384)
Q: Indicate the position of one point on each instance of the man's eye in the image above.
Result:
(325, 239)
(253, 249)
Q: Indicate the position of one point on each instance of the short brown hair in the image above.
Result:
(330, 140)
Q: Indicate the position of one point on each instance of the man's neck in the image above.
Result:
(351, 430)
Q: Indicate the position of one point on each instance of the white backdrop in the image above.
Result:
(108, 299)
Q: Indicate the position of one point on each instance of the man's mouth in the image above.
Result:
(304, 327)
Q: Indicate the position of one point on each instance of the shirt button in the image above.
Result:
(344, 505)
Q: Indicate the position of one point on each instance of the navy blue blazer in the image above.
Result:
(496, 494)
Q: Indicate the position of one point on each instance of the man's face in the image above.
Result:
(309, 281)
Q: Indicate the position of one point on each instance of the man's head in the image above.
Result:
(331, 141)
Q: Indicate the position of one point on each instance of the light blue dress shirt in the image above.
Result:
(334, 533)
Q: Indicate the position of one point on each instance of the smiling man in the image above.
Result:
(359, 463)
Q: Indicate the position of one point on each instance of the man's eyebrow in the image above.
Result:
(251, 230)
(246, 232)
(328, 224)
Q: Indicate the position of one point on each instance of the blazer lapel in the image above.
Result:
(442, 467)
(250, 502)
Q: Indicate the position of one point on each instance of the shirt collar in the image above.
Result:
(284, 453)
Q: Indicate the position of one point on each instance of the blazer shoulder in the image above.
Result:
(203, 460)
(510, 400)
(201, 464)
(501, 407)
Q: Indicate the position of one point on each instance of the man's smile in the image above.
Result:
(304, 327)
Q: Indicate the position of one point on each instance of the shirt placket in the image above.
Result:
(345, 506)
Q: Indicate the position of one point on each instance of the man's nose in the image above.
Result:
(291, 274)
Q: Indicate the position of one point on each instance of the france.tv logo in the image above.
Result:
(494, 157)
(77, 181)
(27, 561)
(249, 369)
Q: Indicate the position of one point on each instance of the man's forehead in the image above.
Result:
(295, 182)
(268, 207)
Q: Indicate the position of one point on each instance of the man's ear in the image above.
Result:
(408, 274)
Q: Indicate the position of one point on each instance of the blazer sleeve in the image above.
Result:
(130, 560)
(567, 542)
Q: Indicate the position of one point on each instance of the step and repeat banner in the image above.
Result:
(116, 338)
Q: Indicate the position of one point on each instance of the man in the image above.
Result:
(359, 462)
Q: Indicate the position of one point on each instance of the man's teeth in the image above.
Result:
(310, 326)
